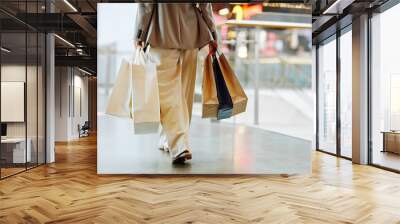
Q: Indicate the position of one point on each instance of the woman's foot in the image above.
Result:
(163, 143)
(164, 148)
(182, 157)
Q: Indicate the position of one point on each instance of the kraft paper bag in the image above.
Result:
(145, 94)
(120, 101)
(236, 91)
(209, 90)
(225, 106)
(211, 105)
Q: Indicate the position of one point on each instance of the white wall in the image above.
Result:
(61, 103)
(14, 73)
(70, 84)
(13, 100)
(80, 103)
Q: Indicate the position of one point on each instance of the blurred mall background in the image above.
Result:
(269, 46)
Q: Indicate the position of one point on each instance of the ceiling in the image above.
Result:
(332, 15)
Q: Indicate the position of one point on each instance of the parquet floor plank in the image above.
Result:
(70, 191)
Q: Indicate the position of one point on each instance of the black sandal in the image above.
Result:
(182, 157)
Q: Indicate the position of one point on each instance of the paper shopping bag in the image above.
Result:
(222, 97)
(236, 91)
(209, 90)
(120, 101)
(145, 94)
(225, 104)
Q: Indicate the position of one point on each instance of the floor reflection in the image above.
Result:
(218, 148)
(386, 159)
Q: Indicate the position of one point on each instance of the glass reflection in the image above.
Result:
(22, 90)
(14, 153)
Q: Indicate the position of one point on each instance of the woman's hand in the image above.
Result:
(213, 46)
(140, 43)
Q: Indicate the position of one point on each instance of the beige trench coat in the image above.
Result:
(175, 25)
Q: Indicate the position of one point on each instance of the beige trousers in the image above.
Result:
(176, 82)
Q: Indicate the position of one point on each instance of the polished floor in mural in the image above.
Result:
(218, 148)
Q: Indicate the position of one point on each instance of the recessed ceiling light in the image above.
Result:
(70, 5)
(337, 7)
(84, 71)
(223, 12)
(5, 50)
(64, 40)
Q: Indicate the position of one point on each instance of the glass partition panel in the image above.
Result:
(14, 153)
(327, 97)
(22, 88)
(31, 97)
(314, 90)
(346, 94)
(385, 89)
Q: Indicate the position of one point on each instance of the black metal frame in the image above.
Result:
(37, 164)
(45, 90)
(0, 88)
(317, 96)
(338, 98)
(369, 90)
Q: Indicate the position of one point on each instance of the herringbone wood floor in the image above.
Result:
(70, 191)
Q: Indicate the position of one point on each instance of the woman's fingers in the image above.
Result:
(213, 46)
(139, 43)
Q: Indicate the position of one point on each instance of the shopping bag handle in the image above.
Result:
(216, 52)
(146, 42)
(143, 55)
(145, 47)
(139, 51)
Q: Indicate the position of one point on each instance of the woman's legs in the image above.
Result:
(173, 107)
(188, 65)
(189, 68)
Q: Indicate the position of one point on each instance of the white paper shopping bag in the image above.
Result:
(145, 94)
(120, 100)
